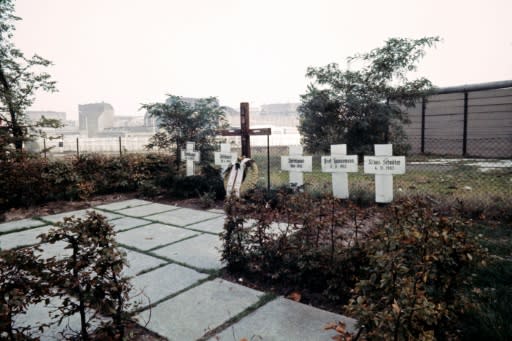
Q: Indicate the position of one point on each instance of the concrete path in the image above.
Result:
(174, 258)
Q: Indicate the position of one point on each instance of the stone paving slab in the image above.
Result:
(77, 214)
(39, 314)
(128, 223)
(162, 282)
(151, 236)
(215, 225)
(284, 319)
(194, 312)
(20, 225)
(57, 250)
(275, 228)
(26, 237)
(201, 252)
(115, 206)
(183, 217)
(138, 262)
(146, 210)
(216, 210)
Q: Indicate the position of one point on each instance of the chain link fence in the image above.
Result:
(438, 176)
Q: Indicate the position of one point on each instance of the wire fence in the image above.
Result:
(460, 143)
(464, 178)
(436, 175)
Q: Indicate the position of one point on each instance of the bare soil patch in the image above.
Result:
(55, 207)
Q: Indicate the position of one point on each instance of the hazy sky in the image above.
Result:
(128, 52)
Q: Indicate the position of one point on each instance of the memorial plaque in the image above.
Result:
(296, 164)
(339, 164)
(384, 165)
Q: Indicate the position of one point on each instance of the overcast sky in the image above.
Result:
(128, 52)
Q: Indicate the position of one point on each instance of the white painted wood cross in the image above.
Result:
(190, 155)
(225, 157)
(296, 164)
(339, 164)
(384, 165)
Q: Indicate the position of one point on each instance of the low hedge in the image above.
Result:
(26, 182)
(403, 271)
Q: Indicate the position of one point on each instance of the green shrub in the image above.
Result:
(315, 246)
(419, 272)
(92, 273)
(32, 181)
(195, 186)
(21, 284)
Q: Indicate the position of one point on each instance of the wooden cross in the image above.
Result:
(245, 131)
(384, 165)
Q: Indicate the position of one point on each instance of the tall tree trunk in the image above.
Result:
(16, 130)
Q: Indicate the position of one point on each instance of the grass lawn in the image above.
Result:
(450, 181)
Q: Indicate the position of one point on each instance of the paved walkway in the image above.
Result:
(174, 258)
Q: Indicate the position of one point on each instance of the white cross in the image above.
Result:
(339, 164)
(225, 157)
(296, 164)
(384, 165)
(191, 156)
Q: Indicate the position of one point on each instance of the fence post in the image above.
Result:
(44, 147)
(120, 150)
(268, 163)
(423, 110)
(77, 149)
(465, 129)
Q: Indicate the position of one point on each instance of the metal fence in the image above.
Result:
(460, 139)
(478, 179)
(483, 179)
(473, 120)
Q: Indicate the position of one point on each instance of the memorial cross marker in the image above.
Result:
(245, 131)
(384, 165)
(225, 157)
(191, 156)
(339, 164)
(296, 164)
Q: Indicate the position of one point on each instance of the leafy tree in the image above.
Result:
(363, 107)
(181, 121)
(92, 273)
(20, 78)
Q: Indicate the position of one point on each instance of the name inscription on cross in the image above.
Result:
(296, 164)
(225, 157)
(190, 155)
(245, 131)
(384, 165)
(339, 164)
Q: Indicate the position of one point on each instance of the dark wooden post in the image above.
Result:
(465, 126)
(423, 111)
(244, 127)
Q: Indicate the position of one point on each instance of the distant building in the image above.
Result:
(128, 121)
(93, 118)
(151, 122)
(34, 116)
(279, 114)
